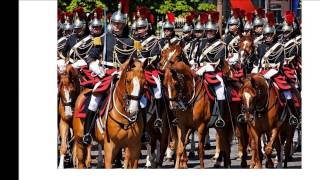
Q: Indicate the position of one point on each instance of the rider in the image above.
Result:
(232, 37)
(118, 42)
(258, 24)
(211, 59)
(196, 43)
(271, 59)
(186, 38)
(169, 33)
(148, 48)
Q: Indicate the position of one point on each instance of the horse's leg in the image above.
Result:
(150, 159)
(172, 145)
(201, 137)
(243, 144)
(288, 145)
(163, 145)
(110, 152)
(133, 155)
(88, 158)
(218, 149)
(180, 148)
(227, 160)
(240, 140)
(74, 156)
(64, 130)
(279, 148)
(268, 147)
(255, 140)
(79, 153)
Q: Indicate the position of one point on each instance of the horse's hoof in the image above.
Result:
(191, 155)
(244, 164)
(118, 164)
(269, 164)
(147, 167)
(216, 166)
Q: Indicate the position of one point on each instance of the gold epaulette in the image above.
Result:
(97, 41)
(137, 45)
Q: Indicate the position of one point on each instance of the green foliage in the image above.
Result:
(206, 7)
(88, 5)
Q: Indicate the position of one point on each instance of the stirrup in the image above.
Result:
(241, 118)
(219, 123)
(158, 123)
(293, 120)
(87, 138)
(174, 121)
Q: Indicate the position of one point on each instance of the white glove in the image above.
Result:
(95, 68)
(61, 65)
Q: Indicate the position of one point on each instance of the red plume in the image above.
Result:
(125, 6)
(203, 18)
(236, 12)
(144, 11)
(109, 15)
(189, 19)
(81, 13)
(214, 16)
(70, 15)
(242, 13)
(99, 12)
(249, 17)
(270, 17)
(171, 17)
(261, 13)
(151, 18)
(289, 17)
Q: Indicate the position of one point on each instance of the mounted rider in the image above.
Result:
(118, 49)
(211, 60)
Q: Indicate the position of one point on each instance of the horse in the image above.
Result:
(124, 124)
(68, 90)
(262, 113)
(180, 88)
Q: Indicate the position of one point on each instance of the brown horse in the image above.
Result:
(124, 123)
(180, 88)
(68, 91)
(262, 110)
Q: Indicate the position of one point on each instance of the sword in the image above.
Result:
(105, 34)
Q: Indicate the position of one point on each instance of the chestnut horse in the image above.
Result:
(68, 90)
(262, 111)
(124, 125)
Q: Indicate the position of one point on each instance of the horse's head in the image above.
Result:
(169, 55)
(68, 85)
(131, 87)
(253, 93)
(178, 81)
(246, 48)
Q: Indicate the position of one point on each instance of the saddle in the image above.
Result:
(211, 80)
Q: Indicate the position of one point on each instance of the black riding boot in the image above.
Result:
(87, 123)
(158, 121)
(293, 119)
(220, 123)
(145, 136)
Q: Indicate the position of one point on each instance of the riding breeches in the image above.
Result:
(157, 88)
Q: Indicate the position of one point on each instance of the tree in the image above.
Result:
(206, 7)
(88, 5)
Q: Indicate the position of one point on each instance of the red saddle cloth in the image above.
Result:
(148, 75)
(81, 113)
(90, 81)
(211, 80)
(280, 80)
(290, 73)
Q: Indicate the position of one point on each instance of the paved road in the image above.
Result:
(209, 153)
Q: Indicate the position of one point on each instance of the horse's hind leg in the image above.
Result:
(64, 130)
(218, 148)
(79, 153)
(279, 148)
(288, 145)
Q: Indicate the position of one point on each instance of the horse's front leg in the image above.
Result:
(201, 137)
(110, 152)
(64, 130)
(269, 147)
(255, 139)
(180, 146)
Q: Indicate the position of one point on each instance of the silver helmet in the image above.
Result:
(248, 26)
(168, 25)
(233, 21)
(96, 21)
(67, 26)
(198, 26)
(269, 29)
(133, 25)
(140, 21)
(109, 28)
(286, 27)
(258, 22)
(77, 22)
(186, 28)
(210, 26)
(118, 16)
